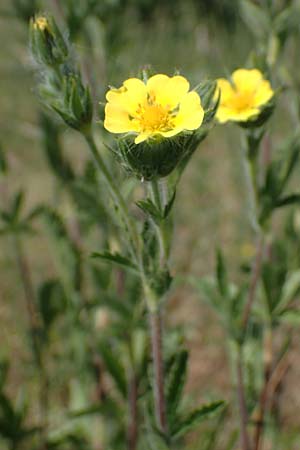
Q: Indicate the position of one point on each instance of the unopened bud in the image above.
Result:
(47, 44)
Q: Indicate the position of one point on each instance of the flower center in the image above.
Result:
(154, 117)
(242, 100)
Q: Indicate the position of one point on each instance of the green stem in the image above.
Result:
(253, 197)
(117, 196)
(157, 191)
(263, 400)
(250, 164)
(245, 441)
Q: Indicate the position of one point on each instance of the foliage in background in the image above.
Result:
(88, 381)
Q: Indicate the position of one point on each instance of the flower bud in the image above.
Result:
(74, 105)
(47, 44)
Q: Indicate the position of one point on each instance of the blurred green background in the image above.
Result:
(115, 40)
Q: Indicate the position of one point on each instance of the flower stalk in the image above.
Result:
(251, 163)
(116, 195)
(132, 436)
(155, 320)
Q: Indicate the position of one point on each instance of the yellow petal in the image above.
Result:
(117, 120)
(246, 80)
(173, 132)
(129, 96)
(226, 113)
(191, 113)
(142, 137)
(263, 94)
(168, 91)
(226, 90)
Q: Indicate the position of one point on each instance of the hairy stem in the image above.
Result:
(157, 355)
(253, 195)
(159, 197)
(132, 436)
(259, 427)
(245, 441)
(116, 195)
(255, 275)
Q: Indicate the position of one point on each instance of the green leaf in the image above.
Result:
(53, 149)
(287, 21)
(221, 274)
(4, 366)
(107, 406)
(52, 301)
(169, 205)
(255, 18)
(150, 208)
(155, 440)
(292, 199)
(17, 206)
(291, 317)
(115, 258)
(176, 380)
(3, 162)
(193, 419)
(290, 290)
(207, 287)
(206, 90)
(114, 367)
(68, 252)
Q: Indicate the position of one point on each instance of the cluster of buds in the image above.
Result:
(62, 88)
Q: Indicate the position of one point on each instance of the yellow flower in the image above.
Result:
(40, 23)
(244, 97)
(162, 106)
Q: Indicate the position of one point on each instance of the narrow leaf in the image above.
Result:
(148, 207)
(115, 258)
(196, 417)
(176, 380)
(169, 205)
(114, 367)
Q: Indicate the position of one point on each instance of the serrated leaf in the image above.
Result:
(116, 258)
(193, 419)
(175, 384)
(148, 207)
(114, 367)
